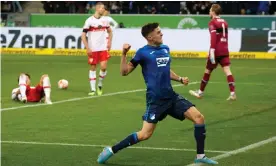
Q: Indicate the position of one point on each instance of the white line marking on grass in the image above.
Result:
(83, 98)
(102, 146)
(243, 149)
(118, 93)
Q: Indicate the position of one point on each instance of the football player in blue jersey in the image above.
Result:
(154, 58)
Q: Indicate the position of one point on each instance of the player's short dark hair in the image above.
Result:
(28, 75)
(148, 28)
(216, 8)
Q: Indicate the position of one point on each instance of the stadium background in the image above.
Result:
(254, 21)
(74, 129)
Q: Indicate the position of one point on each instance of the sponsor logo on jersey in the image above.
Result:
(163, 61)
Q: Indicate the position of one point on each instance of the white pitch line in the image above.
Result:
(243, 149)
(102, 146)
(117, 93)
(83, 98)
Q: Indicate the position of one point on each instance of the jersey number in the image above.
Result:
(223, 29)
(223, 39)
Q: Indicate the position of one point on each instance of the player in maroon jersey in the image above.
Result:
(218, 53)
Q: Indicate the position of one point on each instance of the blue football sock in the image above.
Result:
(128, 141)
(200, 135)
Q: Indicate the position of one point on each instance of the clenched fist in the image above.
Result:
(126, 48)
(185, 80)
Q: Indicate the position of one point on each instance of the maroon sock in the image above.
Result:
(231, 82)
(204, 81)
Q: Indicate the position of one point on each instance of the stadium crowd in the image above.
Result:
(161, 7)
(142, 7)
(149, 7)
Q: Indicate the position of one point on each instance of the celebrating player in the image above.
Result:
(155, 60)
(97, 46)
(218, 53)
(26, 93)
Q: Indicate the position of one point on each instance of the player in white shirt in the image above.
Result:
(96, 27)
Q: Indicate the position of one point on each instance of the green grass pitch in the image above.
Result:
(72, 132)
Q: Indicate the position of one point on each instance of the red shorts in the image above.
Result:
(222, 60)
(34, 94)
(99, 56)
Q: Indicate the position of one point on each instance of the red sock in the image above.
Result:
(231, 82)
(204, 81)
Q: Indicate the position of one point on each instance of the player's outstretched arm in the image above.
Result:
(126, 67)
(175, 77)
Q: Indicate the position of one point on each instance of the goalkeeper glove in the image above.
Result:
(212, 56)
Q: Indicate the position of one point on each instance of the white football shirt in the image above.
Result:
(96, 29)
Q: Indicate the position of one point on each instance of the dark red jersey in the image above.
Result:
(218, 29)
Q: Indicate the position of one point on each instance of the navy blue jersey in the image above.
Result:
(155, 63)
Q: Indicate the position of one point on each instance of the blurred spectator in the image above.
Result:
(153, 10)
(60, 7)
(90, 8)
(133, 7)
(151, 7)
(48, 7)
(121, 25)
(251, 7)
(16, 4)
(80, 6)
(114, 7)
(4, 18)
(183, 8)
(92, 3)
(243, 12)
(10, 21)
(204, 7)
(3, 23)
(129, 7)
(146, 9)
(71, 6)
(272, 7)
(263, 7)
(173, 7)
(6, 6)
(162, 9)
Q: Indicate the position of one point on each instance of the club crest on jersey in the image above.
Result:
(90, 60)
(163, 61)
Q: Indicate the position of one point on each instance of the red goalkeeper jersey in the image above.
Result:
(218, 29)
